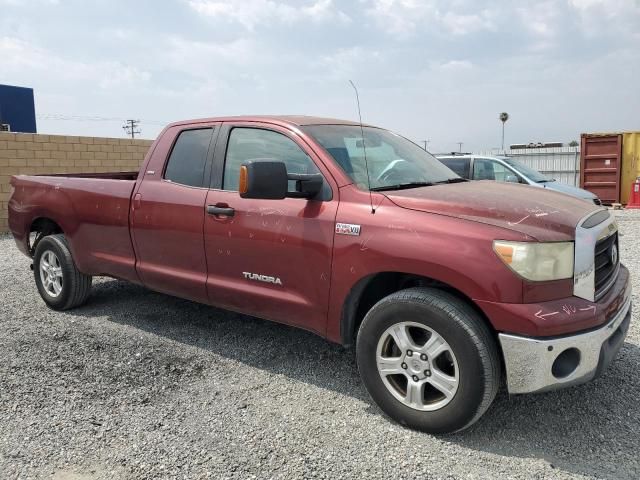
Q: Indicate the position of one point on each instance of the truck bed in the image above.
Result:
(91, 208)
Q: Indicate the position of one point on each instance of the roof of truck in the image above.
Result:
(297, 120)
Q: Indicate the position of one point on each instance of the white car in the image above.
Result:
(506, 169)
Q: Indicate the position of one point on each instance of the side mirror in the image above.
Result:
(308, 185)
(268, 180)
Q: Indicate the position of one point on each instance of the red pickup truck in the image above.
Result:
(358, 235)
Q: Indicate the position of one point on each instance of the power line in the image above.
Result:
(131, 127)
(94, 118)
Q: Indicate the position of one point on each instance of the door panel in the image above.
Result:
(289, 240)
(272, 258)
(167, 217)
(168, 233)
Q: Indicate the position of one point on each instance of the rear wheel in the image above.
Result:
(60, 284)
(428, 360)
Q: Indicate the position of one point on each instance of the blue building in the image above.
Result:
(17, 109)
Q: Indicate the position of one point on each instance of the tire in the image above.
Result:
(60, 284)
(453, 373)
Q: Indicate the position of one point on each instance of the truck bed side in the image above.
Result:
(93, 212)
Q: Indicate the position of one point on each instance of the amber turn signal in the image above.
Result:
(244, 180)
(505, 252)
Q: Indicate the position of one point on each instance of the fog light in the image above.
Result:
(566, 363)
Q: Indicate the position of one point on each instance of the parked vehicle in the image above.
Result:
(507, 169)
(358, 235)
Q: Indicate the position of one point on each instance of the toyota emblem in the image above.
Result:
(614, 254)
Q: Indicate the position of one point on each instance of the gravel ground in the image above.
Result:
(141, 385)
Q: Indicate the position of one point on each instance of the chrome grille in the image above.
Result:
(607, 261)
(596, 232)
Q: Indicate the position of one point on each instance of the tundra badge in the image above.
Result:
(262, 278)
(347, 229)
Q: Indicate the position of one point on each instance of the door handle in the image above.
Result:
(136, 201)
(220, 210)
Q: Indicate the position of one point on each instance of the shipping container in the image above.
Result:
(609, 164)
(600, 165)
(630, 163)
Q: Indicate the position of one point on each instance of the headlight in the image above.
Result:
(537, 261)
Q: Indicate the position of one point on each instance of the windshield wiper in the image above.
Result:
(546, 180)
(401, 186)
(454, 180)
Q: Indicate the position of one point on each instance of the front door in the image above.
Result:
(269, 258)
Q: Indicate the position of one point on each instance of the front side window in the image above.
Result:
(258, 144)
(534, 175)
(392, 161)
(188, 157)
(484, 169)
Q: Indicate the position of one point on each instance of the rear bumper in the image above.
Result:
(541, 364)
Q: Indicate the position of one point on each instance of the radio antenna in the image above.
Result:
(364, 146)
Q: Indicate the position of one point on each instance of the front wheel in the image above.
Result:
(428, 360)
(60, 284)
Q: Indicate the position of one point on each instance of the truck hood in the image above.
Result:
(537, 212)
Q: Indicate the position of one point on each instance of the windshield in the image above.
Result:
(527, 171)
(393, 160)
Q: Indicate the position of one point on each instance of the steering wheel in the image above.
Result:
(391, 171)
(398, 171)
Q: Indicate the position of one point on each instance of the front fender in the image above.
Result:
(452, 251)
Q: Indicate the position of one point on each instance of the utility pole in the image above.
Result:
(460, 146)
(426, 144)
(131, 127)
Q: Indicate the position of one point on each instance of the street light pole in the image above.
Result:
(504, 116)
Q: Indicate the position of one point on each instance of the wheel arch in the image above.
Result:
(374, 287)
(41, 227)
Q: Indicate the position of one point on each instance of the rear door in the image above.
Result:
(168, 213)
(270, 258)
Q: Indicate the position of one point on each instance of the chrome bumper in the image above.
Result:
(536, 365)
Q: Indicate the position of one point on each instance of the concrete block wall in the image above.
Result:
(35, 154)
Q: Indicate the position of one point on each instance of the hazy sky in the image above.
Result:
(437, 70)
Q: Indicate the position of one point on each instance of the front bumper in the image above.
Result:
(541, 364)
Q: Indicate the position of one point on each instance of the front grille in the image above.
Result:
(606, 269)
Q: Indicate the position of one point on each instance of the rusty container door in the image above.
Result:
(600, 159)
(630, 164)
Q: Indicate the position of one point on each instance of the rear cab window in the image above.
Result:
(186, 164)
